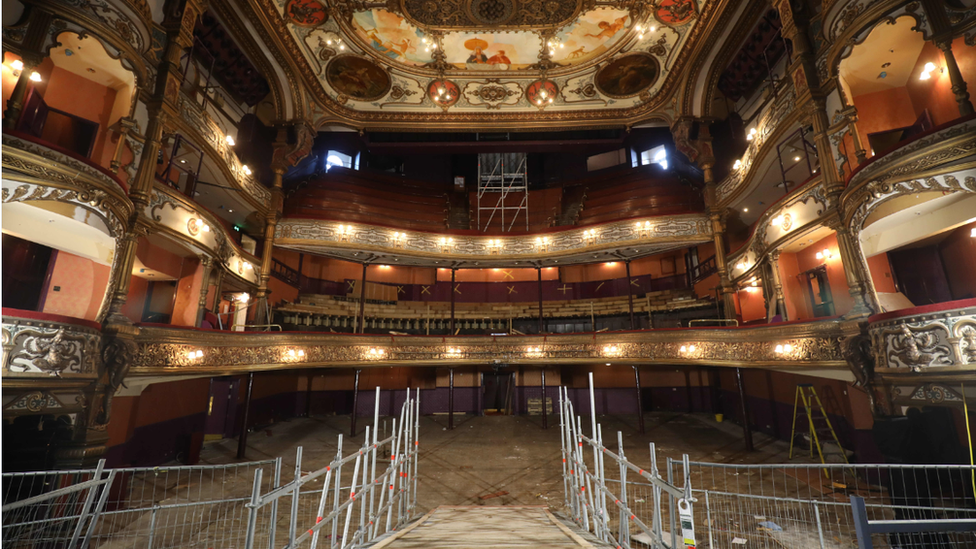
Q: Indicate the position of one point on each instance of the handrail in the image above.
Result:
(256, 326)
(720, 320)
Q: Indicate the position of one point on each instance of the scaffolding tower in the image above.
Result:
(499, 175)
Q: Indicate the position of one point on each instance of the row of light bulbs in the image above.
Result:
(17, 66)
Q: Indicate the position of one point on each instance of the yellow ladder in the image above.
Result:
(806, 394)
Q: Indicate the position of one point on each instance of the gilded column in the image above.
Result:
(270, 223)
(31, 57)
(955, 78)
(206, 263)
(778, 285)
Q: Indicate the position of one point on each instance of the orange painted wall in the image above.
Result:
(82, 284)
(281, 291)
(794, 289)
(806, 260)
(187, 294)
(883, 110)
(159, 259)
(752, 305)
(136, 299)
(935, 94)
(62, 89)
(656, 265)
(880, 269)
(959, 257)
(157, 403)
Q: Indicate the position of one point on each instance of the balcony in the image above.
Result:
(934, 339)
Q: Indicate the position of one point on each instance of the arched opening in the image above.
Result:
(77, 99)
(900, 86)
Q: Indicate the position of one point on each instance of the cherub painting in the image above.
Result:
(492, 52)
(391, 36)
(592, 34)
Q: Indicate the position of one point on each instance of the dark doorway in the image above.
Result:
(498, 387)
(222, 408)
(58, 127)
(818, 291)
(920, 275)
(25, 267)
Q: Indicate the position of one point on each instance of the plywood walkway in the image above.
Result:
(507, 527)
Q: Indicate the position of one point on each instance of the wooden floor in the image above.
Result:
(505, 527)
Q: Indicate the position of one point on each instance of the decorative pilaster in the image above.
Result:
(858, 277)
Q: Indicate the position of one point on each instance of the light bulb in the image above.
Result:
(245, 169)
(35, 77)
(17, 65)
(929, 67)
(230, 140)
(923, 76)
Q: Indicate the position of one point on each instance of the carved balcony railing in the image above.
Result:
(559, 247)
(40, 345)
(796, 213)
(938, 338)
(178, 351)
(201, 130)
(34, 170)
(777, 118)
(180, 218)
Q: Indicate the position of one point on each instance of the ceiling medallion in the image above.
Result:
(628, 75)
(542, 93)
(443, 93)
(675, 12)
(306, 13)
(358, 78)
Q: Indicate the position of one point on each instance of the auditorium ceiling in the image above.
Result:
(484, 63)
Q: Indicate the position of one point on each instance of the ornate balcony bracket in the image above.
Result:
(577, 245)
(181, 351)
(36, 348)
(926, 340)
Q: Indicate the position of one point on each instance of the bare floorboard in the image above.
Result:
(507, 527)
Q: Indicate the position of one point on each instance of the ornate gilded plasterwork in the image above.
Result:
(329, 236)
(163, 350)
(33, 172)
(336, 108)
(926, 342)
(206, 133)
(774, 120)
(36, 348)
(501, 14)
(937, 162)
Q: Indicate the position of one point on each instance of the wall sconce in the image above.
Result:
(641, 30)
(643, 229)
(375, 353)
(398, 239)
(246, 170)
(752, 134)
(543, 243)
(194, 355)
(229, 140)
(973, 233)
(342, 232)
(247, 265)
(825, 254)
(194, 226)
(742, 265)
(16, 66)
(453, 352)
(534, 351)
(589, 235)
(687, 349)
(611, 350)
(294, 355)
(783, 221)
(737, 165)
(243, 298)
(35, 76)
(784, 349)
(494, 246)
(927, 71)
(446, 244)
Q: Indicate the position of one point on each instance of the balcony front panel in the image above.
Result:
(934, 339)
(188, 351)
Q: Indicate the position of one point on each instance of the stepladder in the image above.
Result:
(809, 416)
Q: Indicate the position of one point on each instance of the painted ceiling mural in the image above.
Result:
(490, 56)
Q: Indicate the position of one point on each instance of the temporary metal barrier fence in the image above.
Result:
(364, 505)
(808, 505)
(608, 506)
(930, 531)
(157, 507)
